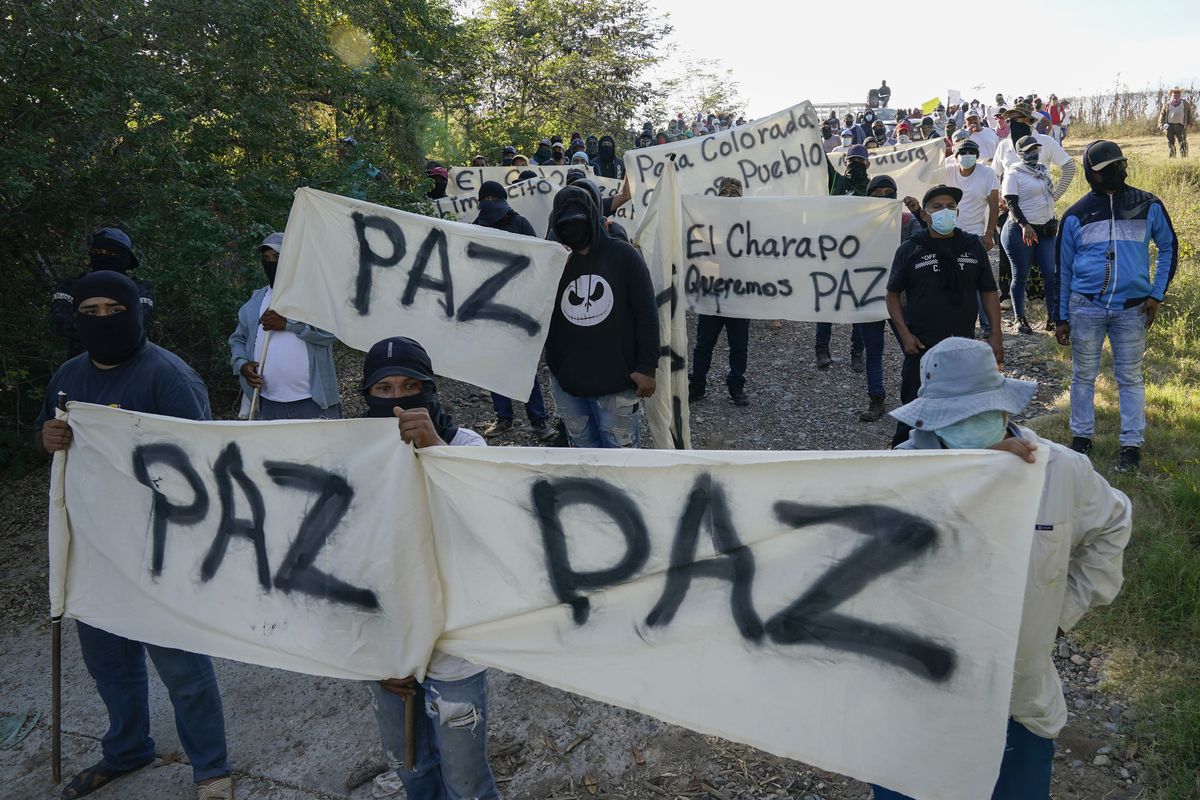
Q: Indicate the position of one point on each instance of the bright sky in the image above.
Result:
(784, 52)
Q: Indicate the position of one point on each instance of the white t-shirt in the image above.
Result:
(988, 141)
(1006, 154)
(1034, 193)
(976, 187)
(285, 378)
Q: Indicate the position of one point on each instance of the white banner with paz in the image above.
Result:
(810, 604)
(467, 180)
(915, 168)
(478, 299)
(776, 155)
(816, 259)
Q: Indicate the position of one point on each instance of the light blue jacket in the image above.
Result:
(321, 375)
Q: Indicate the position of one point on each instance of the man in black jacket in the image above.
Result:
(606, 164)
(112, 250)
(495, 212)
(602, 348)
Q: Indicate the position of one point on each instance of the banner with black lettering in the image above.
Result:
(467, 180)
(776, 155)
(915, 167)
(816, 259)
(303, 546)
(478, 299)
(532, 198)
(810, 604)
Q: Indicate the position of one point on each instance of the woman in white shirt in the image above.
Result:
(1029, 192)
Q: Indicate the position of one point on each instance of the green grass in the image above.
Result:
(1152, 630)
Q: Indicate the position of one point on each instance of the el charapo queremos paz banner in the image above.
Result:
(780, 154)
(478, 299)
(810, 604)
(819, 259)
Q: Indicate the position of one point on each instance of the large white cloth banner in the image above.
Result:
(302, 546)
(820, 606)
(776, 155)
(467, 180)
(818, 259)
(667, 412)
(478, 299)
(914, 167)
(532, 198)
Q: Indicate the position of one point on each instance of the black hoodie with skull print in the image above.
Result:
(605, 322)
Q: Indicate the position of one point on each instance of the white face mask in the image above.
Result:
(966, 161)
(903, 138)
(847, 141)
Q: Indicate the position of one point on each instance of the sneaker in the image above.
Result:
(1023, 326)
(1129, 460)
(874, 410)
(738, 396)
(220, 789)
(544, 431)
(856, 362)
(499, 427)
(696, 392)
(1082, 444)
(823, 359)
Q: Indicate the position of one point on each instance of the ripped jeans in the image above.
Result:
(611, 420)
(451, 739)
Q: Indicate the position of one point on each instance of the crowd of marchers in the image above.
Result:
(603, 351)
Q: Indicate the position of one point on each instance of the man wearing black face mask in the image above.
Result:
(1106, 290)
(606, 164)
(119, 367)
(110, 250)
(299, 380)
(602, 348)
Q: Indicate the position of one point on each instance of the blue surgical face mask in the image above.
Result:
(967, 161)
(975, 433)
(943, 221)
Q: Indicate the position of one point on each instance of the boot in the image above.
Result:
(738, 395)
(856, 361)
(696, 391)
(874, 411)
(823, 358)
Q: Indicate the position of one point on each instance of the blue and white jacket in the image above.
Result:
(1104, 249)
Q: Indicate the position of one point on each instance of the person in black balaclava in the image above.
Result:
(603, 345)
(526, 175)
(577, 177)
(606, 164)
(592, 147)
(542, 154)
(440, 177)
(120, 368)
(398, 378)
(112, 250)
(506, 155)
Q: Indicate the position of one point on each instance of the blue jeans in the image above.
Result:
(1021, 256)
(611, 420)
(451, 739)
(825, 334)
(1024, 772)
(296, 409)
(118, 666)
(1126, 330)
(708, 330)
(535, 406)
(871, 336)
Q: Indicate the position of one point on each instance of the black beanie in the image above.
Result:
(492, 190)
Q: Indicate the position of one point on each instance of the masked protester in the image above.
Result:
(708, 331)
(979, 209)
(451, 760)
(1083, 526)
(602, 347)
(1020, 120)
(299, 380)
(1106, 290)
(592, 147)
(496, 213)
(440, 177)
(542, 154)
(111, 250)
(1175, 117)
(903, 133)
(506, 155)
(939, 271)
(119, 367)
(1028, 192)
(607, 164)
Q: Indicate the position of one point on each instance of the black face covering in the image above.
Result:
(857, 170)
(426, 399)
(575, 233)
(270, 268)
(1016, 130)
(506, 161)
(115, 262)
(116, 338)
(1112, 178)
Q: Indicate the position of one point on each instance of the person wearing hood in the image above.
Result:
(1081, 530)
(299, 380)
(542, 154)
(939, 270)
(1175, 117)
(451, 759)
(110, 249)
(1028, 191)
(497, 214)
(1106, 290)
(557, 155)
(863, 128)
(507, 155)
(607, 205)
(440, 177)
(606, 164)
(580, 159)
(603, 343)
(591, 146)
(119, 367)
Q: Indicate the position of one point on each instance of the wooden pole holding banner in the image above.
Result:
(262, 368)
(56, 675)
(410, 732)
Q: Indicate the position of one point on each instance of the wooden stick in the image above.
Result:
(56, 675)
(262, 368)
(410, 733)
